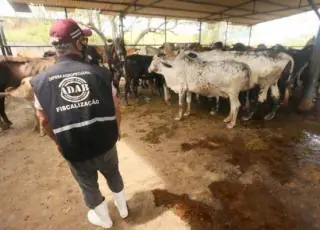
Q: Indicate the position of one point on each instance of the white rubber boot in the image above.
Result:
(121, 204)
(100, 216)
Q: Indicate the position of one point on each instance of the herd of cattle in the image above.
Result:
(260, 74)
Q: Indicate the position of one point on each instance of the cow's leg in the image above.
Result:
(256, 105)
(215, 109)
(276, 102)
(7, 122)
(182, 94)
(161, 92)
(189, 99)
(229, 117)
(247, 103)
(234, 109)
(126, 90)
(42, 131)
(152, 86)
(166, 94)
(135, 87)
(197, 98)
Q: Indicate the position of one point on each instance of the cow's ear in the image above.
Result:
(166, 65)
(192, 55)
(161, 55)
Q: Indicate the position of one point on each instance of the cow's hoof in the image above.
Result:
(230, 125)
(187, 114)
(168, 103)
(245, 109)
(178, 118)
(226, 120)
(270, 116)
(248, 117)
(213, 112)
(6, 126)
(43, 134)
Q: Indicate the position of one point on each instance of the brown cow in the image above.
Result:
(13, 70)
(25, 91)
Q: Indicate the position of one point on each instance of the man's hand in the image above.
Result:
(44, 122)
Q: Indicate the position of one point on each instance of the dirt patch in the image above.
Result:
(253, 207)
(275, 153)
(141, 131)
(204, 144)
(211, 177)
(197, 214)
(153, 136)
(244, 207)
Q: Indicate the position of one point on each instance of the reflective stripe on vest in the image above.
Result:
(83, 124)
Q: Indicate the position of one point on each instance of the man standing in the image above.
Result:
(91, 55)
(77, 105)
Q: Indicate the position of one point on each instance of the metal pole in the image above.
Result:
(121, 26)
(310, 94)
(165, 29)
(1, 40)
(4, 42)
(310, 88)
(65, 12)
(200, 31)
(226, 35)
(250, 33)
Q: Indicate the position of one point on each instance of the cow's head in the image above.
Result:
(154, 65)
(159, 61)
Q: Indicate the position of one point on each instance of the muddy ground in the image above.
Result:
(191, 174)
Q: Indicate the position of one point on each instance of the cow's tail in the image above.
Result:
(289, 82)
(4, 94)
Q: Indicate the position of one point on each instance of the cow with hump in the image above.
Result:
(187, 74)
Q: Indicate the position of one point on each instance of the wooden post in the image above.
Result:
(65, 12)
(310, 89)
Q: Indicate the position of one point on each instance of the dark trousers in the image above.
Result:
(86, 174)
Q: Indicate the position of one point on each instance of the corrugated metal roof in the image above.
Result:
(245, 12)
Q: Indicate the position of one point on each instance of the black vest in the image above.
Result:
(77, 100)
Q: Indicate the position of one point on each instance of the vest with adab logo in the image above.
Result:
(77, 100)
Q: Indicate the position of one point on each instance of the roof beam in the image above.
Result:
(210, 4)
(117, 11)
(229, 8)
(145, 6)
(274, 3)
(149, 5)
(265, 12)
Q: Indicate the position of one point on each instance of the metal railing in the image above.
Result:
(40, 49)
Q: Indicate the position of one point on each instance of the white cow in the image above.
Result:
(266, 66)
(185, 75)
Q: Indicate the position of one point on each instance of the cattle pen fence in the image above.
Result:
(40, 49)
